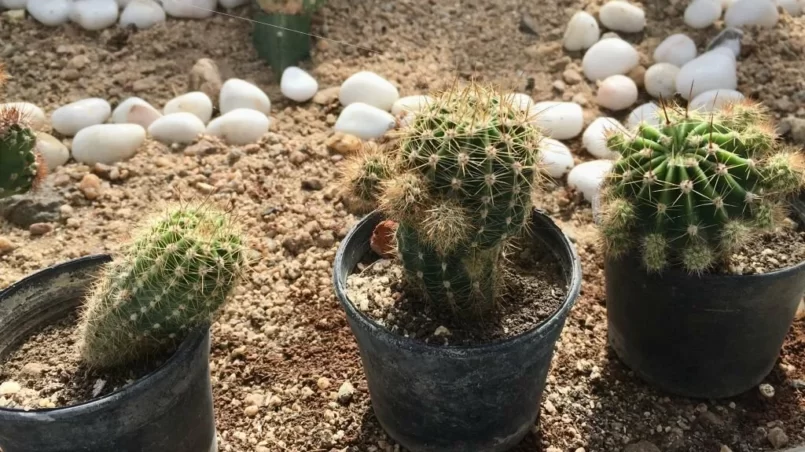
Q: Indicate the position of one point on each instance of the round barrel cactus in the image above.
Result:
(21, 166)
(692, 190)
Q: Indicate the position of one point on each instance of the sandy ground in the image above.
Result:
(283, 343)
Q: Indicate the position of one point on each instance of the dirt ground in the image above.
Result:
(283, 343)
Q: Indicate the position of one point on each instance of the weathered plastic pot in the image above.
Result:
(709, 336)
(169, 409)
(452, 398)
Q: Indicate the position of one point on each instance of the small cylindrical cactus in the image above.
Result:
(692, 190)
(21, 166)
(461, 176)
(173, 277)
(283, 30)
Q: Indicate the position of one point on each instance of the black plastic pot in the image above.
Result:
(169, 409)
(712, 336)
(450, 398)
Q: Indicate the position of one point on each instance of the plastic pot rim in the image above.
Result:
(194, 339)
(490, 348)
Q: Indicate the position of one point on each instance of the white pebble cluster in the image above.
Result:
(707, 80)
(103, 135)
(99, 14)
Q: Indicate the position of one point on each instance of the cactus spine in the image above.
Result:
(21, 167)
(694, 189)
(174, 276)
(462, 172)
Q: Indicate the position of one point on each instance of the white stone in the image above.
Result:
(190, 9)
(522, 101)
(715, 69)
(53, 151)
(793, 7)
(610, 56)
(410, 104)
(232, 3)
(368, 88)
(623, 16)
(240, 126)
(237, 93)
(298, 85)
(364, 121)
(555, 158)
(676, 49)
(107, 143)
(648, 113)
(558, 120)
(587, 177)
(71, 118)
(50, 12)
(94, 14)
(702, 13)
(616, 92)
(660, 80)
(762, 13)
(13, 4)
(716, 99)
(142, 14)
(581, 33)
(33, 114)
(594, 138)
(195, 102)
(142, 115)
(10, 387)
(180, 127)
(120, 115)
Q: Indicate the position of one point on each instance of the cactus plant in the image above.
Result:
(282, 31)
(21, 166)
(458, 182)
(174, 276)
(692, 190)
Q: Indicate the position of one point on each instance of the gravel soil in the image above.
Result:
(286, 370)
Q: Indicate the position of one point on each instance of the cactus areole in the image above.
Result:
(693, 190)
(458, 180)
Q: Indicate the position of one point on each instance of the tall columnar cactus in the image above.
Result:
(694, 189)
(460, 188)
(21, 167)
(283, 30)
(174, 276)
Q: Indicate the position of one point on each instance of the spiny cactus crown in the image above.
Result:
(173, 277)
(694, 189)
(21, 167)
(462, 172)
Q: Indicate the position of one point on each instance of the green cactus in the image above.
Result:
(174, 276)
(21, 166)
(462, 175)
(282, 31)
(694, 189)
(363, 177)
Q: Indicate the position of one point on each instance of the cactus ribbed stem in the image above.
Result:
(173, 277)
(697, 186)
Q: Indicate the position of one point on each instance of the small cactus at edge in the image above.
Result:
(174, 276)
(458, 181)
(692, 190)
(21, 167)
